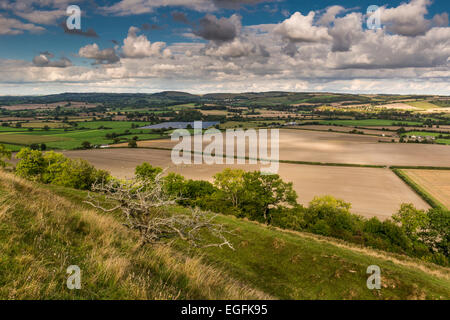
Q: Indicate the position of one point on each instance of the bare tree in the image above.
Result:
(147, 208)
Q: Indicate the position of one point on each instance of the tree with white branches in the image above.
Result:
(147, 209)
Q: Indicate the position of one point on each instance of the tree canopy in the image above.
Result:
(5, 154)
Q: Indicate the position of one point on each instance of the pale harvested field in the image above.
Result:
(398, 106)
(272, 114)
(437, 110)
(214, 112)
(372, 192)
(435, 182)
(43, 124)
(329, 147)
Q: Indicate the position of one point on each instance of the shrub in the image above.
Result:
(55, 168)
(147, 172)
(261, 194)
(397, 237)
(251, 194)
(289, 218)
(335, 214)
(79, 174)
(31, 165)
(321, 227)
(440, 259)
(86, 145)
(325, 208)
(412, 221)
(132, 144)
(436, 234)
(56, 164)
(174, 184)
(198, 193)
(5, 154)
(230, 185)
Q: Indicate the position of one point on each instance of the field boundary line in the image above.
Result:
(312, 163)
(418, 168)
(343, 132)
(417, 188)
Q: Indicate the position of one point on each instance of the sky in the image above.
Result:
(205, 46)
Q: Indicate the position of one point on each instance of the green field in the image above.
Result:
(430, 134)
(57, 138)
(26, 139)
(423, 105)
(443, 141)
(47, 228)
(12, 147)
(11, 129)
(183, 106)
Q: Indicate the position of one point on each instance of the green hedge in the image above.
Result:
(419, 167)
(419, 190)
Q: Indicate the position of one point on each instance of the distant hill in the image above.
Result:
(175, 95)
(250, 99)
(114, 99)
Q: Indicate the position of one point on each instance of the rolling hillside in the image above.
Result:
(44, 229)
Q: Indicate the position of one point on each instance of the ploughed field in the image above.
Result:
(372, 191)
(358, 149)
(331, 147)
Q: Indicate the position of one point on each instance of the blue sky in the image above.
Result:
(222, 45)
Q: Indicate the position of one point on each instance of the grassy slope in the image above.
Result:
(45, 229)
(41, 234)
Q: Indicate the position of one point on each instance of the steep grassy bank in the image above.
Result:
(44, 229)
(41, 234)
